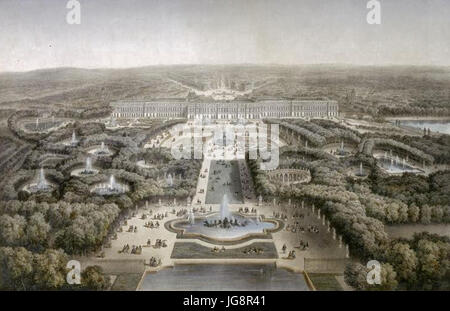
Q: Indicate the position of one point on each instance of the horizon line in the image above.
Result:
(227, 64)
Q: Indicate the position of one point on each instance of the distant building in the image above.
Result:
(162, 109)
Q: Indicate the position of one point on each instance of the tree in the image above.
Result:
(437, 214)
(392, 212)
(355, 275)
(404, 259)
(92, 278)
(432, 266)
(50, 269)
(413, 213)
(388, 278)
(16, 268)
(12, 230)
(425, 215)
(37, 230)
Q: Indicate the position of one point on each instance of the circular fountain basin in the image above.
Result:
(83, 172)
(70, 143)
(110, 188)
(34, 188)
(355, 172)
(99, 152)
(44, 125)
(104, 189)
(248, 227)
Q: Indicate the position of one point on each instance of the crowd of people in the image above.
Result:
(152, 225)
(246, 210)
(136, 250)
(218, 250)
(154, 262)
(253, 250)
(133, 229)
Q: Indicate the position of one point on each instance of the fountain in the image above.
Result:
(87, 170)
(223, 226)
(360, 173)
(42, 182)
(394, 165)
(191, 218)
(224, 213)
(74, 140)
(42, 185)
(110, 188)
(88, 165)
(112, 182)
(342, 152)
(101, 151)
(169, 180)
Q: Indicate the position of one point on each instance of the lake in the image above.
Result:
(441, 126)
(224, 277)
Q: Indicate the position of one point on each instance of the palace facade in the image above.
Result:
(162, 109)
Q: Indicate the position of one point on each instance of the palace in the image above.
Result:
(165, 108)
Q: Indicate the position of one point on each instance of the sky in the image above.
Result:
(34, 34)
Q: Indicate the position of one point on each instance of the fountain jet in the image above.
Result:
(224, 213)
(169, 180)
(42, 182)
(112, 182)
(88, 164)
(191, 217)
(74, 138)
